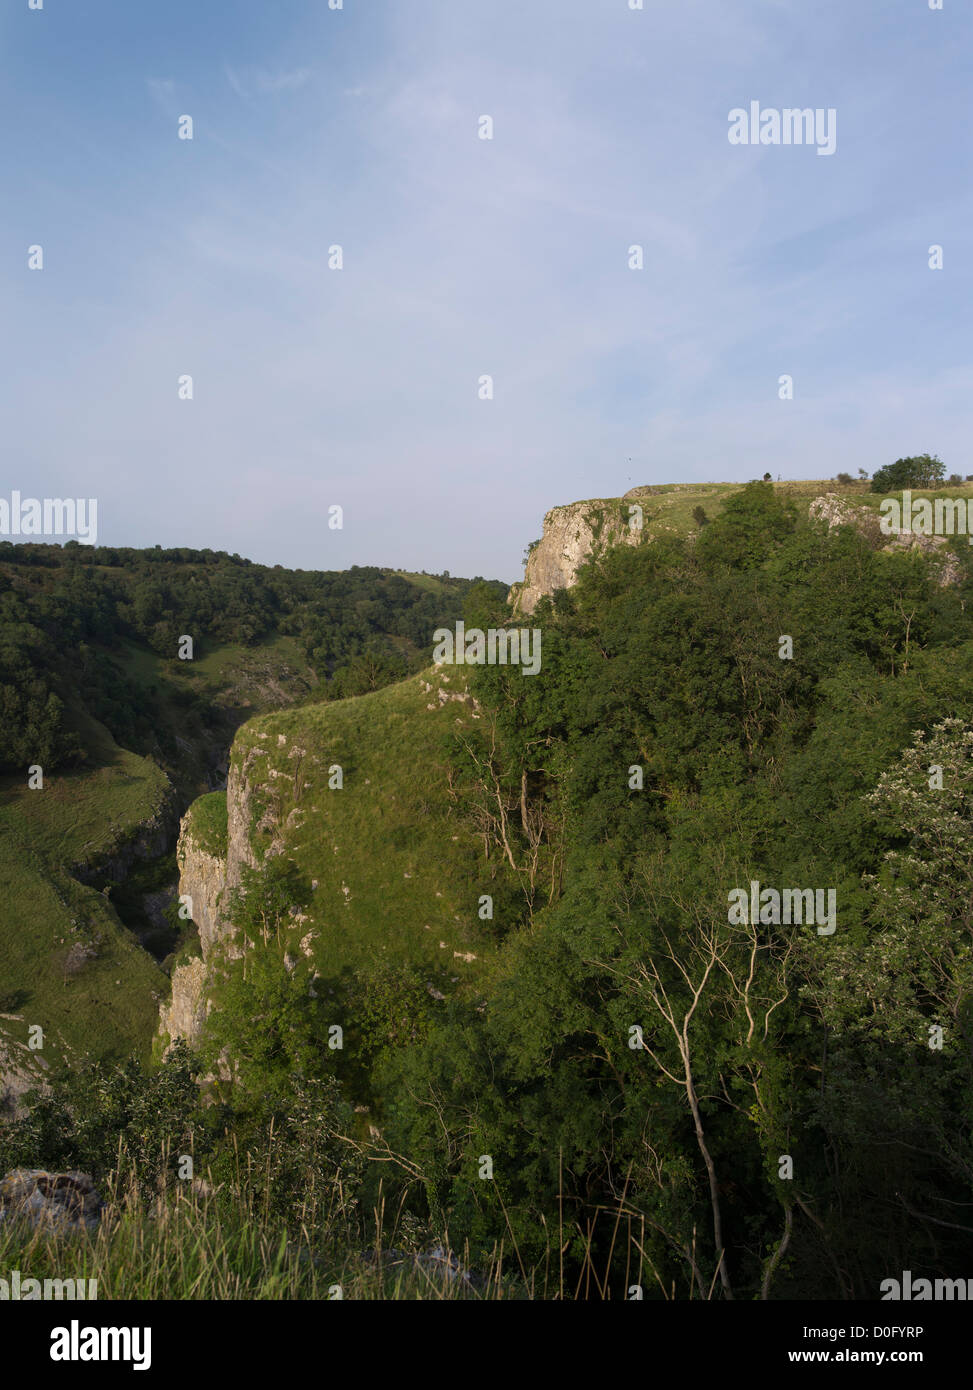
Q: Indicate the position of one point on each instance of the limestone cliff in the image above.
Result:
(355, 794)
(837, 511)
(201, 854)
(202, 878)
(573, 535)
(186, 1012)
(583, 531)
(239, 812)
(213, 848)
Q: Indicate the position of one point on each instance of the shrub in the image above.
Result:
(924, 470)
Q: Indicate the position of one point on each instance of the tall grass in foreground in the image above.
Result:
(188, 1245)
(183, 1248)
(267, 1233)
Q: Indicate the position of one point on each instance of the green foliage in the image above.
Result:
(634, 1063)
(923, 470)
(83, 1119)
(753, 522)
(391, 1008)
(288, 1150)
(666, 658)
(65, 616)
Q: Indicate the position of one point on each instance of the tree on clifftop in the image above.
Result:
(924, 470)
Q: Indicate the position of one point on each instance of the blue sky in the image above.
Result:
(464, 257)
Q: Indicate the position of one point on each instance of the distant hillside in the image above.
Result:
(107, 627)
(92, 691)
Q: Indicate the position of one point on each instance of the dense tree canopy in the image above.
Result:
(923, 470)
(65, 611)
(764, 1125)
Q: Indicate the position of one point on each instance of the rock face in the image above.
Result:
(583, 531)
(20, 1069)
(572, 535)
(837, 511)
(202, 877)
(239, 813)
(187, 1010)
(56, 1201)
(209, 879)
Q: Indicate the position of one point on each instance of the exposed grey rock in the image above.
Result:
(572, 535)
(838, 511)
(58, 1201)
(20, 1070)
(186, 1012)
(202, 877)
(437, 1261)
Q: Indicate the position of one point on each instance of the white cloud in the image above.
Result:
(253, 82)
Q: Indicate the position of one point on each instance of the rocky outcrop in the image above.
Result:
(239, 814)
(209, 879)
(52, 1201)
(582, 531)
(572, 536)
(20, 1069)
(187, 1010)
(202, 878)
(838, 511)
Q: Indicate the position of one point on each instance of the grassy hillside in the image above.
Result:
(84, 814)
(668, 507)
(66, 961)
(396, 865)
(92, 689)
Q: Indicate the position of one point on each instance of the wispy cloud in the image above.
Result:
(465, 257)
(252, 82)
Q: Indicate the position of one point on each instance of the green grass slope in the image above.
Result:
(66, 961)
(397, 868)
(668, 507)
